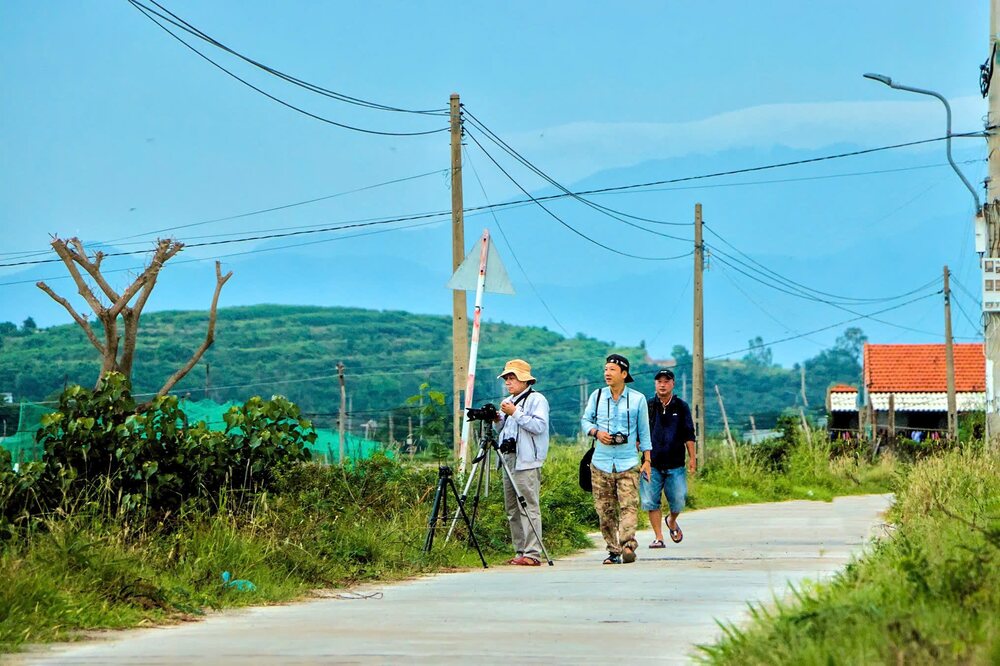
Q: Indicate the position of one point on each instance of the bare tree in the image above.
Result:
(118, 355)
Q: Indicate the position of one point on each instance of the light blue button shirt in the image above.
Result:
(628, 415)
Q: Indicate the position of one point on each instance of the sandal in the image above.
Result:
(628, 555)
(675, 533)
(657, 543)
(515, 560)
(613, 558)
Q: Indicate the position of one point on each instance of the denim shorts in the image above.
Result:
(671, 482)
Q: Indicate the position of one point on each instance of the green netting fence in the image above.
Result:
(326, 448)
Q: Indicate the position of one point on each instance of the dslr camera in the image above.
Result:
(619, 438)
(488, 412)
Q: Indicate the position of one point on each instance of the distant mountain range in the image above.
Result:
(878, 234)
(293, 350)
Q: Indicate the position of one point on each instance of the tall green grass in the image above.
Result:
(84, 567)
(928, 593)
(803, 468)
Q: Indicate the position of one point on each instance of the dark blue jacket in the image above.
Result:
(670, 427)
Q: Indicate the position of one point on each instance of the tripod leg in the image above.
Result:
(524, 509)
(465, 493)
(432, 523)
(465, 517)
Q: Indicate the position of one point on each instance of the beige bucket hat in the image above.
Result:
(519, 369)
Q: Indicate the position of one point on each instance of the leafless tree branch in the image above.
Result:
(84, 324)
(220, 280)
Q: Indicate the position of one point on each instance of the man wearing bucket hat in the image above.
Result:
(524, 443)
(616, 417)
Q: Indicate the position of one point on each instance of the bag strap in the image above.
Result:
(597, 403)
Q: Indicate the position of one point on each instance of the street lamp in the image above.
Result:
(881, 78)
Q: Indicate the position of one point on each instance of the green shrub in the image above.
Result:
(927, 594)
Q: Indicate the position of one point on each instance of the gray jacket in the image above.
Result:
(529, 425)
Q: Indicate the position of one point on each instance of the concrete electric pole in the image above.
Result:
(991, 215)
(949, 360)
(698, 352)
(460, 309)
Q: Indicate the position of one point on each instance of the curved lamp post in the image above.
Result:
(881, 78)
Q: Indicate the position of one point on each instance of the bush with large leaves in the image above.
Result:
(98, 448)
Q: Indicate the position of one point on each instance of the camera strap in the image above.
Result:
(628, 412)
(519, 399)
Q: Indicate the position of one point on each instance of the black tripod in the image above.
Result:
(487, 443)
(440, 511)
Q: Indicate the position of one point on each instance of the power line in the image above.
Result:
(506, 241)
(563, 222)
(804, 289)
(611, 212)
(148, 13)
(777, 165)
(191, 29)
(775, 181)
(237, 216)
(234, 254)
(834, 304)
(764, 310)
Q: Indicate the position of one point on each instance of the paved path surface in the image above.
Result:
(654, 611)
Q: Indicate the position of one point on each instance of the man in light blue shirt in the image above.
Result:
(616, 417)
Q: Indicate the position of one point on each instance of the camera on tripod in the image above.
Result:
(488, 412)
(619, 438)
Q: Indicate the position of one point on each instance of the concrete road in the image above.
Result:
(656, 610)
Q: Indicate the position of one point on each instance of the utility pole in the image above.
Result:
(949, 359)
(991, 216)
(753, 430)
(802, 374)
(698, 355)
(343, 410)
(684, 387)
(411, 446)
(725, 422)
(460, 308)
(392, 435)
(208, 380)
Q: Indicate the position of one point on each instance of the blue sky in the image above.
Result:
(110, 128)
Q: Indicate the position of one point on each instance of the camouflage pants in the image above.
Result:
(616, 499)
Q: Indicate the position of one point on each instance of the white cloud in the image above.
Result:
(576, 150)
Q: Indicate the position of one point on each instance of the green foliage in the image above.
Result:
(99, 449)
(927, 594)
(319, 526)
(433, 436)
(388, 355)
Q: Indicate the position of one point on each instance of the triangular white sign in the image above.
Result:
(467, 274)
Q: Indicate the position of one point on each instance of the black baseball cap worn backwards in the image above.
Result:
(622, 363)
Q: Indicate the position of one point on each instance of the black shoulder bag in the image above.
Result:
(586, 482)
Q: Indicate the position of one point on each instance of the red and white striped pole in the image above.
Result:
(470, 383)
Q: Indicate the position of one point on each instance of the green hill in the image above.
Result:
(268, 349)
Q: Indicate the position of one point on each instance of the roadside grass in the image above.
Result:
(928, 593)
(803, 468)
(84, 568)
(327, 527)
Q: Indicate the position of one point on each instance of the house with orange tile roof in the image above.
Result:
(915, 377)
(842, 407)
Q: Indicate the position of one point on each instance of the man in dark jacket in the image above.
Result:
(671, 430)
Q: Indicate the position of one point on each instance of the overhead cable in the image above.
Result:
(151, 14)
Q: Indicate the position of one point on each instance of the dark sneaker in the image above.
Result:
(613, 558)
